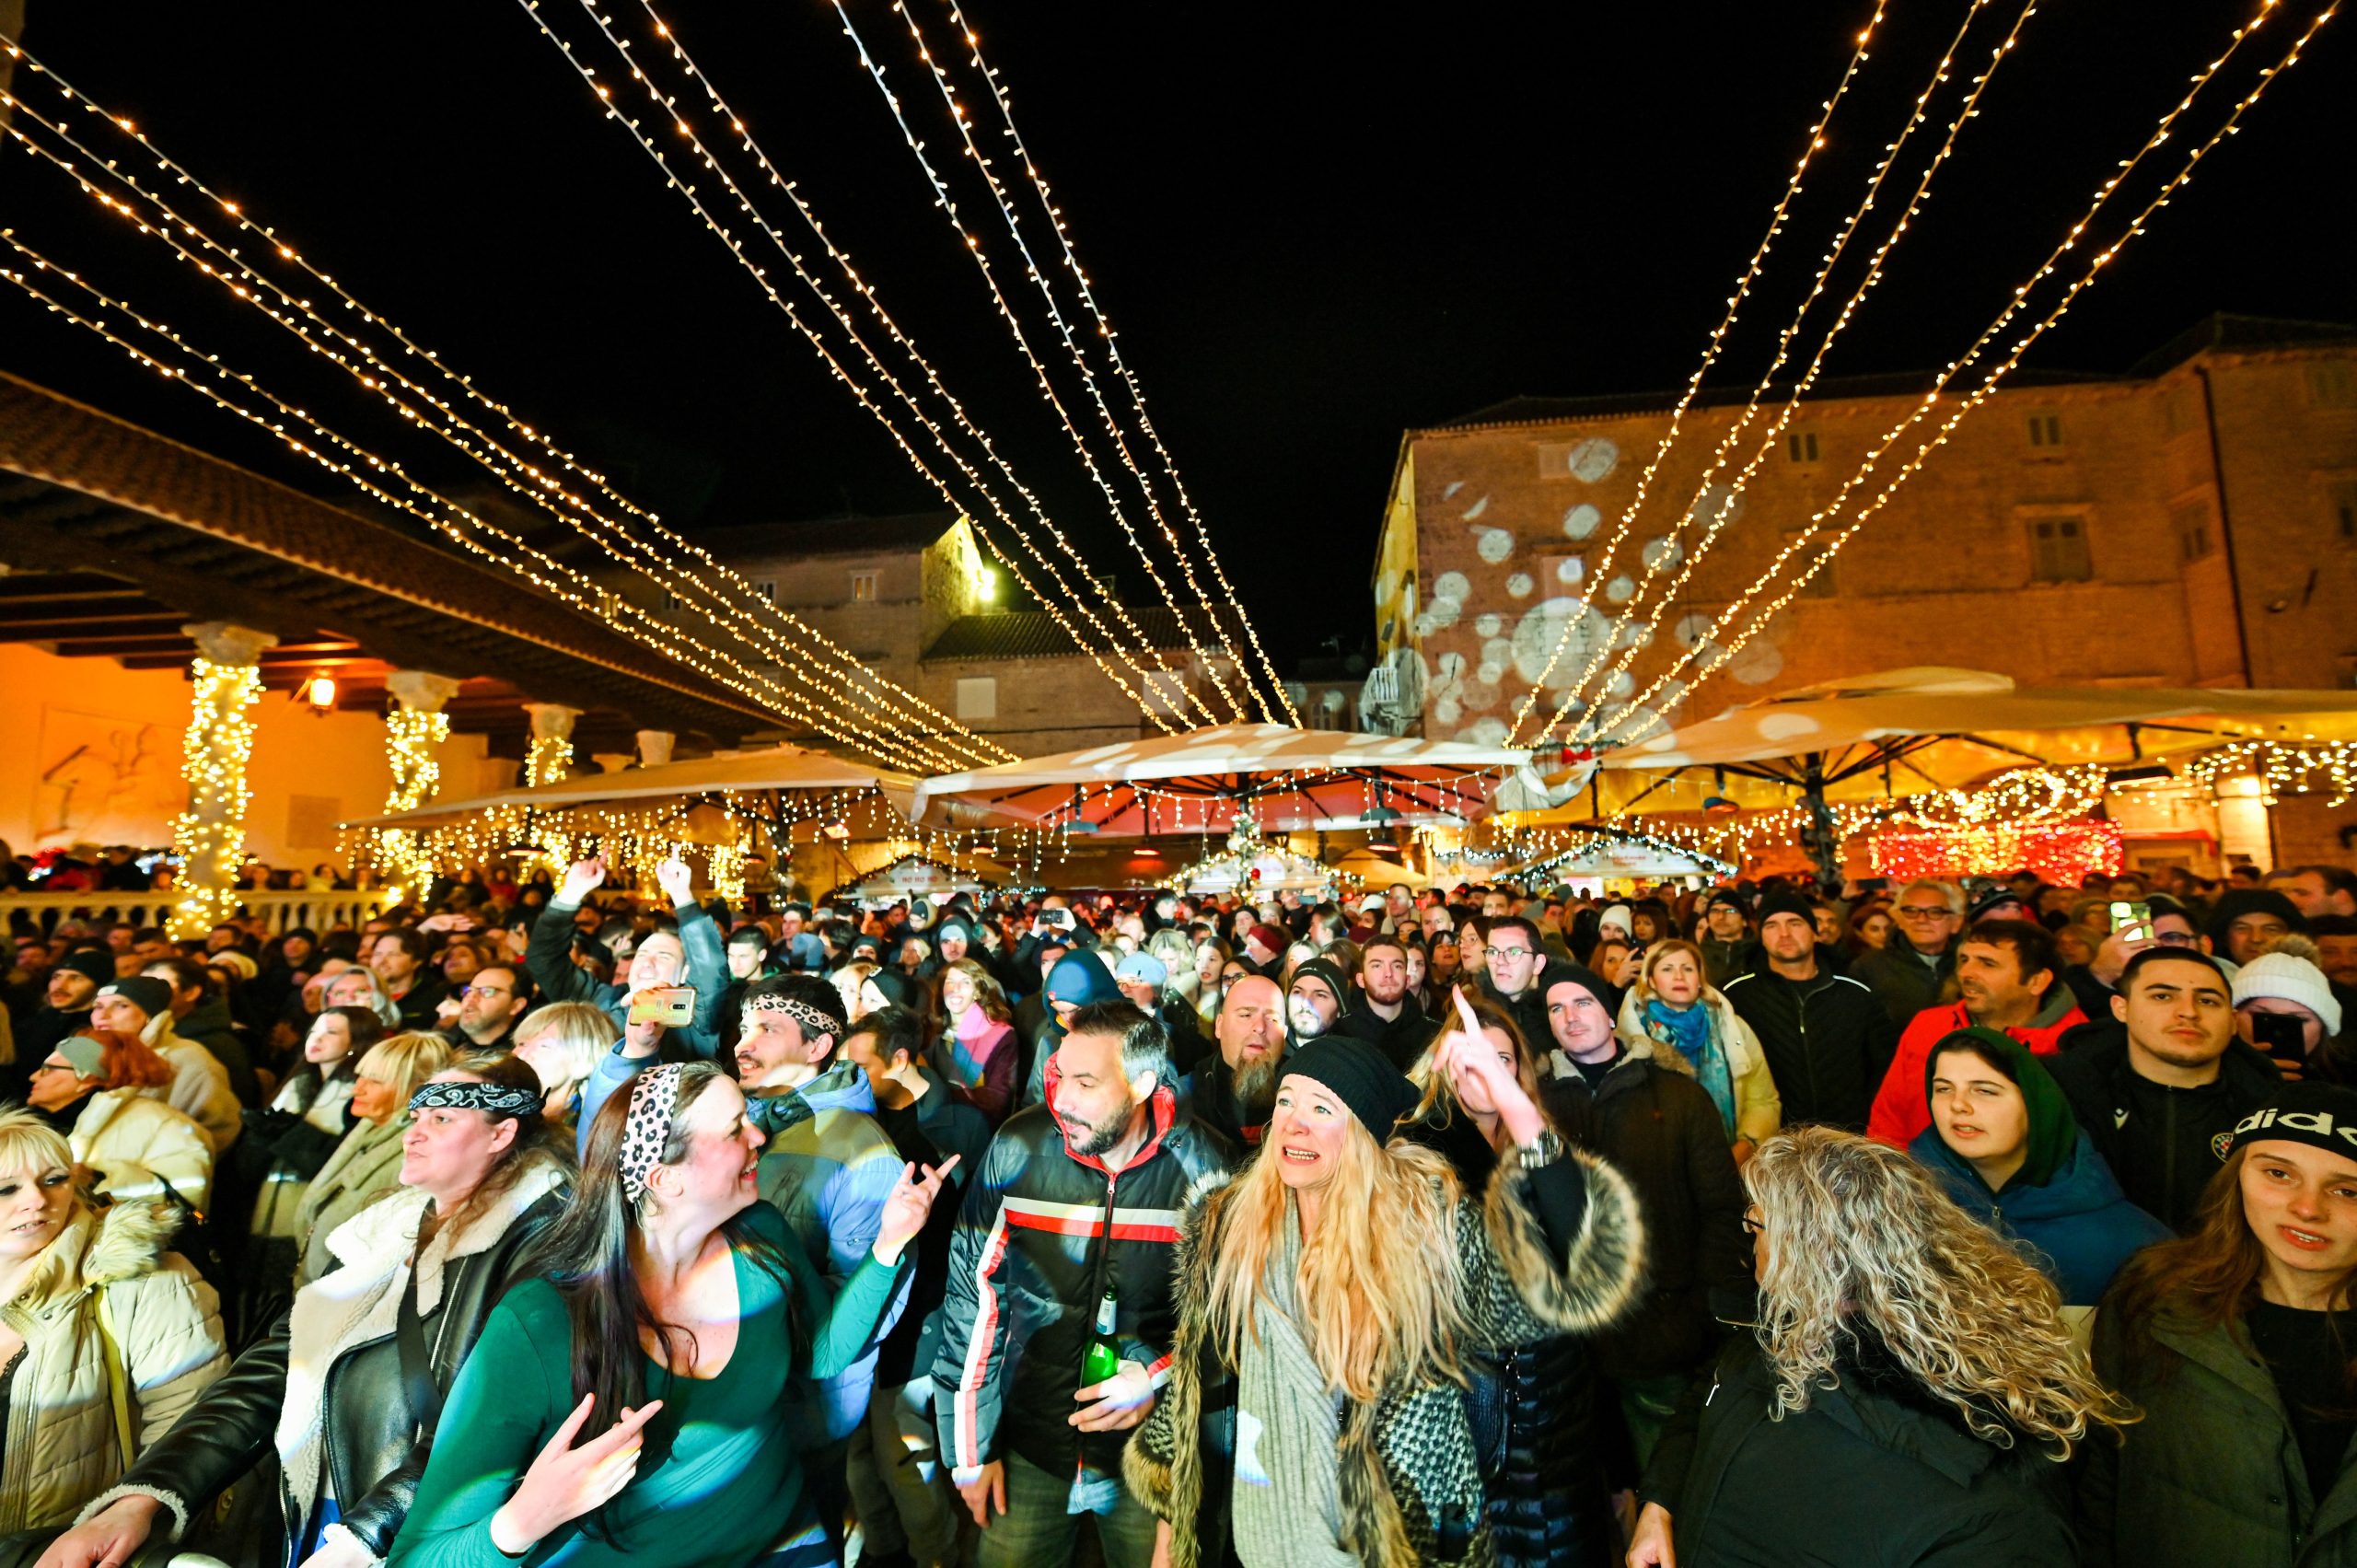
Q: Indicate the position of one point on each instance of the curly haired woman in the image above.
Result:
(1908, 1397)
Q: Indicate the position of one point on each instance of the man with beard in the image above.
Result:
(490, 1004)
(72, 986)
(1233, 1091)
(1069, 1230)
(2008, 977)
(1314, 1002)
(1380, 1012)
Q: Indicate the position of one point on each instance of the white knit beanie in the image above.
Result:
(2289, 979)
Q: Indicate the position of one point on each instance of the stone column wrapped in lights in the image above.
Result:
(210, 835)
(549, 760)
(414, 729)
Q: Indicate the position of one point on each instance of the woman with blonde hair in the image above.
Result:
(976, 1031)
(1697, 1031)
(367, 1163)
(1909, 1374)
(1329, 1300)
(564, 1042)
(105, 1337)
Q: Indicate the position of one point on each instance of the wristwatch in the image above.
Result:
(1542, 1152)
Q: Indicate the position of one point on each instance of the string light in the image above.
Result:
(1110, 342)
(1814, 143)
(2281, 767)
(1689, 557)
(974, 249)
(2057, 853)
(1716, 652)
(210, 836)
(535, 486)
(737, 249)
(1618, 833)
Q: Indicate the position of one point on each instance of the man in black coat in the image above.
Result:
(2159, 1090)
(1828, 1039)
(1658, 1128)
(1381, 1012)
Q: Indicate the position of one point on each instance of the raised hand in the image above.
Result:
(677, 881)
(582, 878)
(905, 1210)
(565, 1482)
(1466, 1057)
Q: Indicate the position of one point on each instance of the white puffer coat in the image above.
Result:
(63, 1448)
(136, 1144)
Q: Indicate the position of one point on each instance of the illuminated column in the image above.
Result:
(210, 835)
(655, 746)
(414, 730)
(550, 757)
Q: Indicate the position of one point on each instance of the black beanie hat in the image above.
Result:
(91, 963)
(1561, 972)
(1329, 972)
(1783, 901)
(1360, 1076)
(2323, 1116)
(152, 997)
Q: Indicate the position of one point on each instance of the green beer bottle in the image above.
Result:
(1103, 1352)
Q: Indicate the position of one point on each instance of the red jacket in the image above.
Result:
(1900, 1111)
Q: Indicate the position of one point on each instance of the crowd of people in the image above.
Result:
(558, 1222)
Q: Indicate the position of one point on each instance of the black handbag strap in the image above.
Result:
(417, 1360)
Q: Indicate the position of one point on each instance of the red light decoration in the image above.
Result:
(2059, 852)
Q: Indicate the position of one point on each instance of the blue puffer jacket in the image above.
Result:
(2078, 1227)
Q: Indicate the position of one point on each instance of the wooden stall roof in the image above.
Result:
(113, 537)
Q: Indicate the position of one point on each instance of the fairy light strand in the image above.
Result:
(1721, 652)
(1687, 558)
(1038, 278)
(1110, 342)
(1816, 143)
(210, 835)
(736, 248)
(908, 706)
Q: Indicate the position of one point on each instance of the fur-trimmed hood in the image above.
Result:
(1405, 1457)
(97, 1247)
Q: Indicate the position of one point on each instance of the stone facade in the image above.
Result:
(2077, 531)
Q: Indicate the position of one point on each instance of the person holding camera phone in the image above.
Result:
(667, 1002)
(2285, 1009)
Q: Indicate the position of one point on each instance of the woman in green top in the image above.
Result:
(673, 1314)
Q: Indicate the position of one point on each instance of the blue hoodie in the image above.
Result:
(2078, 1227)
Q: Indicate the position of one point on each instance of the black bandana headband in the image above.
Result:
(491, 1099)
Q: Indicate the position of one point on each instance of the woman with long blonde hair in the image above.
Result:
(1902, 1350)
(1332, 1296)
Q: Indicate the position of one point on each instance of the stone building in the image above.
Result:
(2190, 522)
(916, 598)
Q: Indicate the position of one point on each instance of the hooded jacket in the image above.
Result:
(208, 1024)
(1545, 1252)
(1876, 1473)
(2163, 1143)
(2062, 1209)
(828, 1169)
(324, 1390)
(61, 1445)
(1900, 1110)
(139, 1145)
(363, 1168)
(1081, 979)
(2213, 1474)
(1042, 1233)
(1828, 1040)
(200, 1086)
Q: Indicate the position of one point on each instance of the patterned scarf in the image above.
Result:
(1693, 1032)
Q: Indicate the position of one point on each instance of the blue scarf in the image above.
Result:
(1693, 1032)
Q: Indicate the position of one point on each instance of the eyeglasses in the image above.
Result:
(1754, 1227)
(1926, 912)
(485, 990)
(1509, 952)
(52, 1067)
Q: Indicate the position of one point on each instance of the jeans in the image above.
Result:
(897, 1483)
(1035, 1528)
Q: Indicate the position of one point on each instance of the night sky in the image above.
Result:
(1314, 226)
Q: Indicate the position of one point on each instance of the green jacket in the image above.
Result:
(2212, 1475)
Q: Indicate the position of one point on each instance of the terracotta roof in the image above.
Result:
(1034, 634)
(201, 540)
